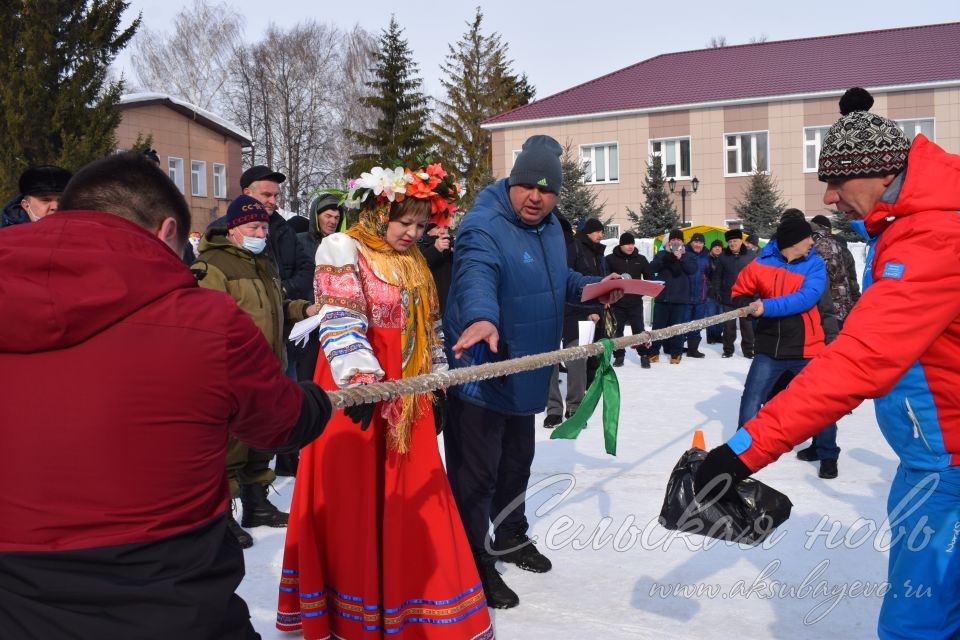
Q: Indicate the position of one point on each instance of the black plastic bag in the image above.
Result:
(747, 514)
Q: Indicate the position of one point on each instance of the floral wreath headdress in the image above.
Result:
(376, 190)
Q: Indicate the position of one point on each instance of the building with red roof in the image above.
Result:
(718, 114)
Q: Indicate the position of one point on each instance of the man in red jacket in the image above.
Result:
(900, 345)
(122, 380)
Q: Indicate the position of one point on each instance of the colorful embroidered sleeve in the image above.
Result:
(343, 313)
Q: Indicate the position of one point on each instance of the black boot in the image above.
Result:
(645, 362)
(257, 510)
(693, 352)
(808, 454)
(521, 551)
(618, 361)
(244, 539)
(287, 464)
(496, 591)
(828, 469)
(551, 422)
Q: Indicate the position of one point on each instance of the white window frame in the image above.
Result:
(738, 147)
(219, 181)
(819, 134)
(175, 171)
(734, 223)
(516, 152)
(198, 187)
(590, 176)
(611, 230)
(677, 147)
(915, 122)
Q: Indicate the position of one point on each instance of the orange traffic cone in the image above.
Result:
(698, 441)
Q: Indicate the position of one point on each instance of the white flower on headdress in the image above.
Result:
(380, 181)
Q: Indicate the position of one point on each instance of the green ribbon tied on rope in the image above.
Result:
(604, 383)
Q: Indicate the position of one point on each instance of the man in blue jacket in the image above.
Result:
(699, 284)
(673, 266)
(510, 283)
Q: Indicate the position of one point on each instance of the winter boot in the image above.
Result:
(828, 469)
(287, 464)
(551, 421)
(618, 361)
(257, 510)
(655, 358)
(809, 454)
(693, 352)
(521, 551)
(498, 594)
(645, 362)
(675, 359)
(244, 539)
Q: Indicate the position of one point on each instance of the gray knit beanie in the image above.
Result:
(538, 164)
(861, 143)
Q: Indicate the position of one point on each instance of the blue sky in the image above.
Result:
(562, 44)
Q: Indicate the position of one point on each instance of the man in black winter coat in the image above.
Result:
(584, 255)
(672, 265)
(733, 259)
(436, 245)
(625, 259)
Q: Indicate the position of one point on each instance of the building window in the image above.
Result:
(735, 223)
(219, 180)
(601, 162)
(921, 125)
(611, 231)
(198, 178)
(175, 171)
(674, 154)
(812, 142)
(746, 153)
(516, 152)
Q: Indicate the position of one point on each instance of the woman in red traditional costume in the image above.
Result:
(375, 547)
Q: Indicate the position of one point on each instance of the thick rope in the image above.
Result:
(433, 381)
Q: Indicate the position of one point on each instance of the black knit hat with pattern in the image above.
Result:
(861, 143)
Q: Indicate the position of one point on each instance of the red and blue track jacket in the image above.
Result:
(901, 342)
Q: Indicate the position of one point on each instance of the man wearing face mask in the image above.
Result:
(233, 260)
(40, 189)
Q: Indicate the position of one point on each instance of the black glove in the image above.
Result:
(720, 462)
(361, 414)
(440, 410)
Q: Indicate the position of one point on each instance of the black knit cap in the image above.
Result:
(861, 143)
(792, 230)
(676, 234)
(698, 236)
(45, 178)
(592, 225)
(245, 209)
(753, 238)
(627, 238)
(716, 243)
(733, 234)
(822, 221)
(538, 164)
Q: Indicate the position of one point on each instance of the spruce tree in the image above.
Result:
(657, 215)
(761, 205)
(401, 133)
(577, 200)
(479, 84)
(56, 104)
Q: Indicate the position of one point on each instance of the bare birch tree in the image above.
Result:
(193, 62)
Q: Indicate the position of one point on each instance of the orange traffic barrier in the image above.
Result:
(698, 441)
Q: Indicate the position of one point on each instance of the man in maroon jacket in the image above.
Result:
(122, 380)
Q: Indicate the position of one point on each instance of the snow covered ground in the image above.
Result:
(618, 574)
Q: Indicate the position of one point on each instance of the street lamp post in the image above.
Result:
(695, 183)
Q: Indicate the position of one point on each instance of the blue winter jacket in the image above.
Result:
(675, 276)
(515, 276)
(699, 281)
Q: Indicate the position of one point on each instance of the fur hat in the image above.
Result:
(245, 209)
(733, 234)
(43, 179)
(861, 143)
(792, 230)
(676, 234)
(539, 164)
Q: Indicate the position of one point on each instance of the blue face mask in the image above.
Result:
(254, 245)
